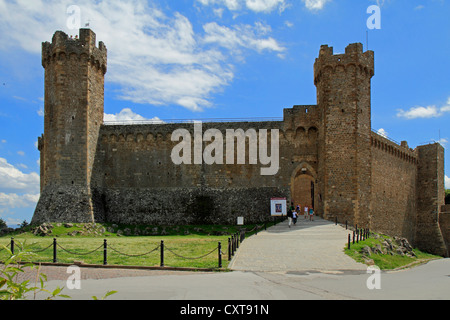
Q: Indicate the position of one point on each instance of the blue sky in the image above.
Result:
(197, 59)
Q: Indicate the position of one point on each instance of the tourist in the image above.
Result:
(289, 216)
(311, 214)
(306, 211)
(294, 217)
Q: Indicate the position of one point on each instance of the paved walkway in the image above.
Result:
(308, 246)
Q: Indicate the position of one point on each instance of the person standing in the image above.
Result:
(306, 211)
(311, 214)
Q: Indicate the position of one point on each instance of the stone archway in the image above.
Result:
(304, 189)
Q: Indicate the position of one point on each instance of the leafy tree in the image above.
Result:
(447, 196)
(2, 224)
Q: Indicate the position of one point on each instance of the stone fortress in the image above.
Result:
(329, 158)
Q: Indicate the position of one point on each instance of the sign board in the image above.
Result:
(278, 207)
(240, 221)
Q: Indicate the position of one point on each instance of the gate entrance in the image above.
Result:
(303, 188)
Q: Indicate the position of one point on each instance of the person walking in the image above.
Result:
(306, 211)
(289, 216)
(294, 217)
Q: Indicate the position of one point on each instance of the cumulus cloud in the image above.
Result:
(127, 116)
(13, 200)
(382, 132)
(447, 182)
(17, 189)
(11, 178)
(241, 36)
(265, 6)
(153, 56)
(315, 5)
(424, 112)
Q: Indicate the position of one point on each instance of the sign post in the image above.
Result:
(278, 207)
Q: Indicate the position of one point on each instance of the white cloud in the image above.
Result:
(12, 178)
(265, 6)
(424, 112)
(315, 4)
(127, 116)
(40, 112)
(17, 189)
(154, 57)
(13, 200)
(382, 132)
(443, 141)
(447, 182)
(241, 36)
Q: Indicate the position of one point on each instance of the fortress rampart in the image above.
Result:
(328, 157)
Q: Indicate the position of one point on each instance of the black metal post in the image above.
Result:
(105, 252)
(348, 241)
(229, 249)
(54, 251)
(353, 236)
(220, 255)
(237, 240)
(162, 254)
(12, 245)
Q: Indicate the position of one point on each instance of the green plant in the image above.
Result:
(10, 286)
(105, 296)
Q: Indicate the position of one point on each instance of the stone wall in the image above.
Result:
(135, 178)
(394, 171)
(430, 198)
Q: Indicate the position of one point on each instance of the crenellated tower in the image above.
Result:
(74, 96)
(343, 84)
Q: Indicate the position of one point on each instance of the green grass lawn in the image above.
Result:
(130, 251)
(184, 246)
(386, 261)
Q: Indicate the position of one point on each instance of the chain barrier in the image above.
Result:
(190, 258)
(134, 255)
(41, 250)
(105, 246)
(79, 254)
(233, 245)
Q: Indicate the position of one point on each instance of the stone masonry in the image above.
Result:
(329, 157)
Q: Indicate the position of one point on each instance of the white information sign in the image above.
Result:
(278, 206)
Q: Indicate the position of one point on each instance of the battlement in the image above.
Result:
(353, 56)
(83, 48)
